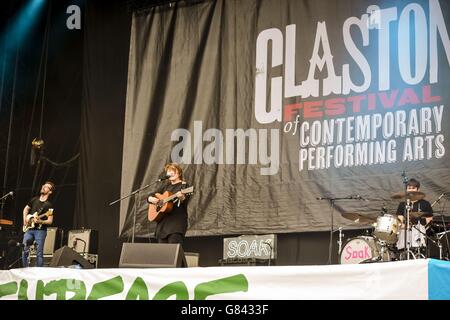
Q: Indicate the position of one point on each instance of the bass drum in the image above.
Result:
(363, 249)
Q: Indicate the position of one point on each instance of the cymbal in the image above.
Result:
(417, 214)
(411, 195)
(359, 218)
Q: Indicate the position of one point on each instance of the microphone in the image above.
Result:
(164, 178)
(438, 199)
(13, 243)
(405, 178)
(7, 195)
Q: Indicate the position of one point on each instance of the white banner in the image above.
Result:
(390, 280)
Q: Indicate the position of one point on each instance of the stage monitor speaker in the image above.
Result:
(83, 240)
(66, 257)
(152, 255)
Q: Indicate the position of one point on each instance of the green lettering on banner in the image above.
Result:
(138, 290)
(175, 288)
(23, 289)
(60, 288)
(225, 285)
(8, 288)
(106, 288)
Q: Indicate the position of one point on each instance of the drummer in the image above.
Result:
(421, 213)
(419, 205)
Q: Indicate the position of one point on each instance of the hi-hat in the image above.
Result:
(411, 195)
(359, 218)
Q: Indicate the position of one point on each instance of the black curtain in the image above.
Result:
(106, 44)
(40, 80)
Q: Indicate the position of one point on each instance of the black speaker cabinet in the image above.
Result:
(66, 257)
(152, 255)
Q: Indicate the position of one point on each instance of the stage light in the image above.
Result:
(22, 23)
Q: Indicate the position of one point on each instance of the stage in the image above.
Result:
(424, 279)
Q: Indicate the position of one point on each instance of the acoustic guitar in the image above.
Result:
(164, 205)
(30, 221)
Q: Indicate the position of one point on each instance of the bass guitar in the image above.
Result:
(30, 221)
(164, 205)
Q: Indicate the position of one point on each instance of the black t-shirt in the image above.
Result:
(40, 207)
(175, 221)
(418, 206)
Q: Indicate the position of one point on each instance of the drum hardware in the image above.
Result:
(332, 200)
(439, 236)
(409, 197)
(438, 199)
(341, 236)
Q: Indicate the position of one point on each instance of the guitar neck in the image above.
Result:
(42, 215)
(170, 198)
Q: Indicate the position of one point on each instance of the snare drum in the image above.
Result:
(363, 249)
(387, 228)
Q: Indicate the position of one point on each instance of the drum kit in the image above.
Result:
(387, 240)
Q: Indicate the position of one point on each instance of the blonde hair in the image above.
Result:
(175, 167)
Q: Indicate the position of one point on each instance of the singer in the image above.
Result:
(172, 226)
(37, 215)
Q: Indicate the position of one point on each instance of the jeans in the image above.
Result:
(38, 236)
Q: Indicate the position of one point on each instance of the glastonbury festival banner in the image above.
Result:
(358, 281)
(270, 106)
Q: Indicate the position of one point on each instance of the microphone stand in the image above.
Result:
(406, 211)
(3, 203)
(18, 259)
(134, 193)
(332, 200)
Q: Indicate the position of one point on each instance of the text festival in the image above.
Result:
(367, 134)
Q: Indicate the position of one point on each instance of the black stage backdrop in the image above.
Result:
(269, 105)
(40, 78)
(106, 46)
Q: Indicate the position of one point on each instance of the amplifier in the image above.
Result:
(83, 240)
(50, 243)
